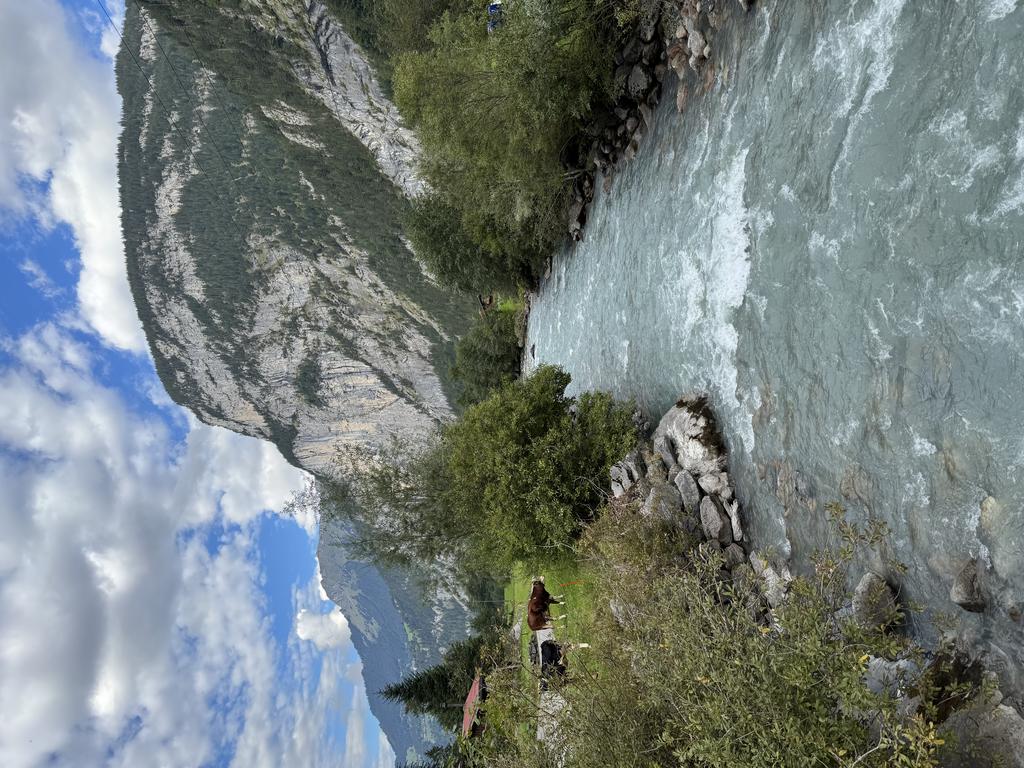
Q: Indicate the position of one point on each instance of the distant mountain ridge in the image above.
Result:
(263, 177)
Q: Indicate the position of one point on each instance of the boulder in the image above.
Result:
(990, 729)
(733, 510)
(634, 465)
(966, 590)
(631, 123)
(716, 484)
(714, 522)
(617, 490)
(874, 604)
(694, 435)
(734, 555)
(632, 51)
(639, 81)
(663, 503)
(688, 491)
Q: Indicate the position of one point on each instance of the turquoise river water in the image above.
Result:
(829, 241)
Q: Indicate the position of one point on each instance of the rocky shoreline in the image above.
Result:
(678, 476)
(678, 38)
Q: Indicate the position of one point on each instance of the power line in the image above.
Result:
(153, 90)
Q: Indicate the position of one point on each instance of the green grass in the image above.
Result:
(569, 579)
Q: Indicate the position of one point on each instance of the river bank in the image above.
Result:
(825, 242)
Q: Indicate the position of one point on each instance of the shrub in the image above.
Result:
(488, 356)
(453, 256)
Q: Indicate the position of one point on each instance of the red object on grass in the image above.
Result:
(470, 708)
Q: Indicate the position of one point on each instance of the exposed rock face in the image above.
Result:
(347, 86)
(264, 176)
(263, 237)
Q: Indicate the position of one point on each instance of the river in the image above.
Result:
(829, 241)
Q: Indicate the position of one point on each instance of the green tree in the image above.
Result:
(497, 112)
(488, 356)
(512, 480)
(440, 690)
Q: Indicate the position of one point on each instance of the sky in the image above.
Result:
(160, 600)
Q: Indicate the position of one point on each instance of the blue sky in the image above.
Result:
(160, 600)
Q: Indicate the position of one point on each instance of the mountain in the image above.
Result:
(263, 174)
(263, 178)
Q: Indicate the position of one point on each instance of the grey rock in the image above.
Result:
(631, 123)
(617, 490)
(775, 585)
(634, 465)
(646, 115)
(663, 503)
(733, 510)
(892, 677)
(966, 590)
(688, 490)
(874, 603)
(656, 469)
(639, 81)
(618, 611)
(632, 52)
(622, 75)
(995, 731)
(694, 434)
(734, 555)
(716, 484)
(663, 447)
(714, 521)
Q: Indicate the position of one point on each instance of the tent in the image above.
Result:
(477, 693)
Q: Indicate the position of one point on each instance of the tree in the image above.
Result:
(440, 690)
(512, 480)
(488, 355)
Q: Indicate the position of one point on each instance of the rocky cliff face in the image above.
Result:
(263, 176)
(266, 172)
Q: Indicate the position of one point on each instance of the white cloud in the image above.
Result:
(324, 630)
(117, 626)
(38, 279)
(59, 123)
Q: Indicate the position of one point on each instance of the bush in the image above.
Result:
(457, 259)
(488, 356)
(527, 470)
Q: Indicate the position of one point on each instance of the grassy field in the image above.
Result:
(567, 579)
